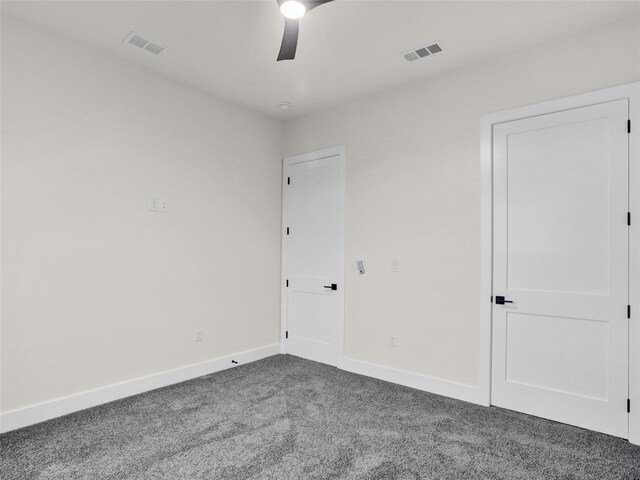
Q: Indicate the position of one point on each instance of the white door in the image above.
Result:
(314, 255)
(560, 349)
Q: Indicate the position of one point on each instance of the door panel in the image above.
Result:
(561, 256)
(315, 250)
(316, 309)
(553, 173)
(537, 336)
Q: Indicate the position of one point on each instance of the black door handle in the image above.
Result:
(501, 301)
(333, 286)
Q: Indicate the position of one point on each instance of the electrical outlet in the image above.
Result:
(198, 336)
(163, 205)
(153, 205)
(393, 341)
(395, 265)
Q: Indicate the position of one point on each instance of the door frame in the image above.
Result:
(340, 154)
(630, 91)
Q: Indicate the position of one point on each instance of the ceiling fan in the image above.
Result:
(293, 10)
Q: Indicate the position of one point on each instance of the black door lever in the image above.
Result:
(501, 301)
(333, 286)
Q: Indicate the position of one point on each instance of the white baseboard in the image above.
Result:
(62, 406)
(460, 391)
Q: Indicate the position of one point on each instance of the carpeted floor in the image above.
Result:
(288, 418)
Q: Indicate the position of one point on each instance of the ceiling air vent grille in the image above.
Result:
(432, 48)
(140, 41)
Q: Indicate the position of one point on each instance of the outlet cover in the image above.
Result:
(393, 341)
(198, 335)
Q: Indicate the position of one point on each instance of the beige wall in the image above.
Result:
(95, 288)
(413, 189)
(98, 290)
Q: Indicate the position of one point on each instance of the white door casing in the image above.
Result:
(560, 350)
(313, 255)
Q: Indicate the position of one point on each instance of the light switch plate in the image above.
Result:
(360, 265)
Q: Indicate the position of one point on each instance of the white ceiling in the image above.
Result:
(347, 48)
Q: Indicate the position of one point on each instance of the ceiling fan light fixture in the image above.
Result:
(293, 9)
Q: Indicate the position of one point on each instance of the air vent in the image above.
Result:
(140, 41)
(432, 48)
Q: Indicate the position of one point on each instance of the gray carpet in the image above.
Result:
(288, 418)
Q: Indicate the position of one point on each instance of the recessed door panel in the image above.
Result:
(313, 221)
(539, 355)
(558, 208)
(313, 313)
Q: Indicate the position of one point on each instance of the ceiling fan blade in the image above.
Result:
(311, 4)
(289, 40)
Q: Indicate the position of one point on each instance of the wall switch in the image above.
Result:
(360, 265)
(393, 341)
(153, 205)
(198, 337)
(395, 265)
(163, 205)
